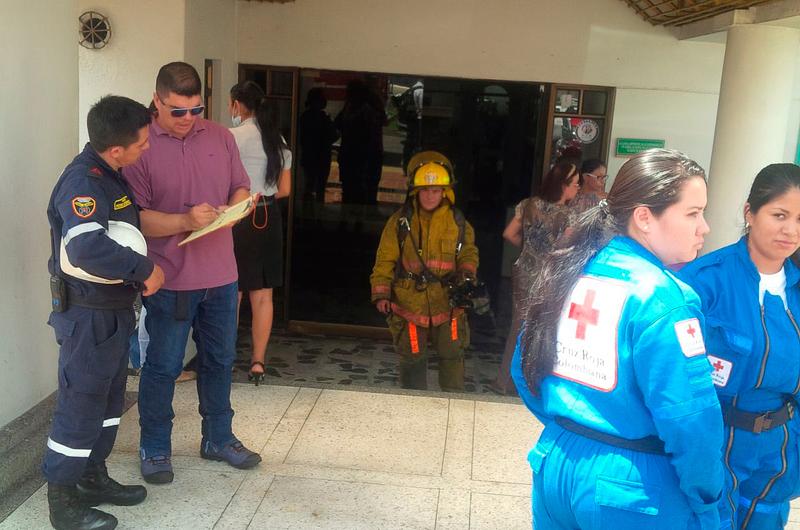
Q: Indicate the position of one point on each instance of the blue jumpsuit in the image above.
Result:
(630, 363)
(755, 350)
(93, 332)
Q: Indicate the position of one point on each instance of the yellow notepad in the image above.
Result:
(230, 215)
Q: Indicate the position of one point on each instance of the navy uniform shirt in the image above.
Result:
(86, 197)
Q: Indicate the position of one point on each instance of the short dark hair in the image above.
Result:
(590, 166)
(115, 121)
(178, 77)
(315, 99)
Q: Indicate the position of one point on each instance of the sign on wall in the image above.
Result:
(633, 146)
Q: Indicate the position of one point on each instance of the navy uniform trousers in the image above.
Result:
(92, 371)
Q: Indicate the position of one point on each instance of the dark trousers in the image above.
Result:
(92, 371)
(414, 364)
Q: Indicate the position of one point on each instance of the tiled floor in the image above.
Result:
(335, 459)
(304, 360)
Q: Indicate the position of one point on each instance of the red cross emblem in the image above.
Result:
(691, 331)
(718, 366)
(584, 314)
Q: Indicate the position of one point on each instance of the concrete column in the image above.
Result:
(752, 120)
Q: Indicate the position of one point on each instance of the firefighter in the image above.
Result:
(424, 246)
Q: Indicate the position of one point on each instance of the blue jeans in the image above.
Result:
(211, 313)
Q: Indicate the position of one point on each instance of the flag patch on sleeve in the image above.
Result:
(690, 337)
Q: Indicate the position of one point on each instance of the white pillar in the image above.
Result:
(752, 120)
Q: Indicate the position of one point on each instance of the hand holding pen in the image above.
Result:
(200, 215)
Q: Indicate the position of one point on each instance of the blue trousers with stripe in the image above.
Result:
(92, 371)
(762, 476)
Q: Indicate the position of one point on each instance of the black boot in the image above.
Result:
(68, 512)
(96, 487)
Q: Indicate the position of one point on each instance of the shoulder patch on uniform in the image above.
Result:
(84, 206)
(721, 370)
(690, 337)
(96, 171)
(122, 202)
(586, 346)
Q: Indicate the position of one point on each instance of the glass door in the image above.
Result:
(280, 84)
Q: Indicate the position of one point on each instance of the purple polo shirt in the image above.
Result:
(203, 167)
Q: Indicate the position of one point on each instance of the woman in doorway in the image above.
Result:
(537, 224)
(258, 241)
(593, 186)
(611, 360)
(751, 301)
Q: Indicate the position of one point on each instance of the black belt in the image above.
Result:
(75, 298)
(265, 199)
(757, 422)
(649, 444)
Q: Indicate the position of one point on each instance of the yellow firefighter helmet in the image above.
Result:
(429, 168)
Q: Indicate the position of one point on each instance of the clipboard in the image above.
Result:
(230, 215)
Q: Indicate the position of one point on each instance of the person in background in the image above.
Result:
(537, 224)
(361, 153)
(612, 360)
(258, 241)
(95, 278)
(422, 242)
(593, 186)
(190, 173)
(749, 291)
(317, 136)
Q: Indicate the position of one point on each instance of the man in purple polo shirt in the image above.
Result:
(191, 171)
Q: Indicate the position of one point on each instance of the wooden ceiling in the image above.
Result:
(680, 12)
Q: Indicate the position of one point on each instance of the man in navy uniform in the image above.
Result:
(97, 267)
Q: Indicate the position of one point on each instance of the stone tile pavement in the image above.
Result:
(336, 459)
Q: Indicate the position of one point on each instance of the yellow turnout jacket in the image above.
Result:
(436, 235)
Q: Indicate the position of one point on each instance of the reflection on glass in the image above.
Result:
(594, 102)
(259, 77)
(489, 131)
(281, 83)
(580, 138)
(567, 100)
(284, 109)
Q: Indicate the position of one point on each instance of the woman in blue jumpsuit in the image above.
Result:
(750, 297)
(612, 361)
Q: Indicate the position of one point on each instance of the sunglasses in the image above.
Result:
(181, 112)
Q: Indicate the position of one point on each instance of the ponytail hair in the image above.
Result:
(250, 95)
(653, 179)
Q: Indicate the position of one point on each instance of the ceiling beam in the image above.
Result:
(760, 14)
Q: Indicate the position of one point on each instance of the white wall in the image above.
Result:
(790, 150)
(38, 137)
(659, 114)
(146, 34)
(666, 88)
(211, 34)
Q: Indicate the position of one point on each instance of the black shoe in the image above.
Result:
(96, 487)
(256, 377)
(69, 512)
